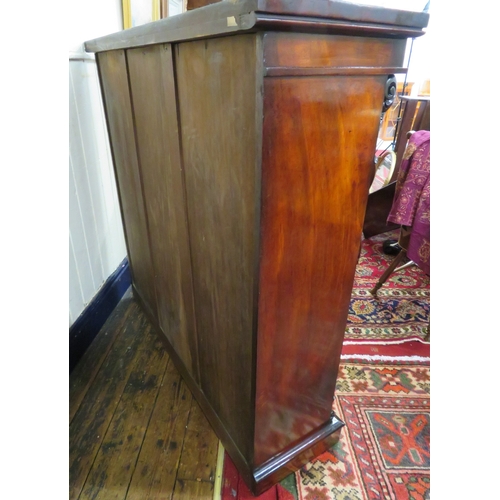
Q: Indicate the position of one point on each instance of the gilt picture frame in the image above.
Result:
(138, 12)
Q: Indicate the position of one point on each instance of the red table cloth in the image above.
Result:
(411, 205)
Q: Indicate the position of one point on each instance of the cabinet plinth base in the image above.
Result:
(291, 460)
(279, 466)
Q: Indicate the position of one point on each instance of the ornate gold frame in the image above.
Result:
(155, 10)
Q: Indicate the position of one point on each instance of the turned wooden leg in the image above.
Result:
(388, 272)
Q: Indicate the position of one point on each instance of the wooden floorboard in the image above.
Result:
(85, 372)
(156, 470)
(135, 431)
(186, 490)
(199, 453)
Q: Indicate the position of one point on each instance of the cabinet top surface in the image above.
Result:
(232, 16)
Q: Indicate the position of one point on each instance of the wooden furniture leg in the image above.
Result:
(427, 337)
(388, 272)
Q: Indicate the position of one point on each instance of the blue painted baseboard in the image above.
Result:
(83, 331)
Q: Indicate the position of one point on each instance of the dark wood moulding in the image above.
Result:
(243, 137)
(229, 17)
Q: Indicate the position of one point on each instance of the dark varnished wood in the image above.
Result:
(219, 134)
(377, 209)
(314, 194)
(229, 17)
(305, 50)
(259, 21)
(343, 10)
(295, 456)
(155, 114)
(118, 109)
(255, 155)
(196, 4)
(295, 71)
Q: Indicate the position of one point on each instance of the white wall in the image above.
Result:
(419, 67)
(420, 60)
(92, 19)
(96, 241)
(175, 7)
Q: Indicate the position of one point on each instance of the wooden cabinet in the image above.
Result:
(243, 136)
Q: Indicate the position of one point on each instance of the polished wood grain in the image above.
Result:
(377, 209)
(348, 11)
(153, 95)
(196, 4)
(253, 146)
(332, 52)
(230, 17)
(292, 459)
(342, 71)
(270, 22)
(116, 95)
(218, 85)
(317, 165)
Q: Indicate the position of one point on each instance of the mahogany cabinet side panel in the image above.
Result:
(155, 113)
(116, 96)
(218, 91)
(319, 139)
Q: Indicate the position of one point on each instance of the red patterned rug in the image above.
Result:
(384, 448)
(398, 317)
(382, 394)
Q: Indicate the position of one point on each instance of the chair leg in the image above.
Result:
(388, 272)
